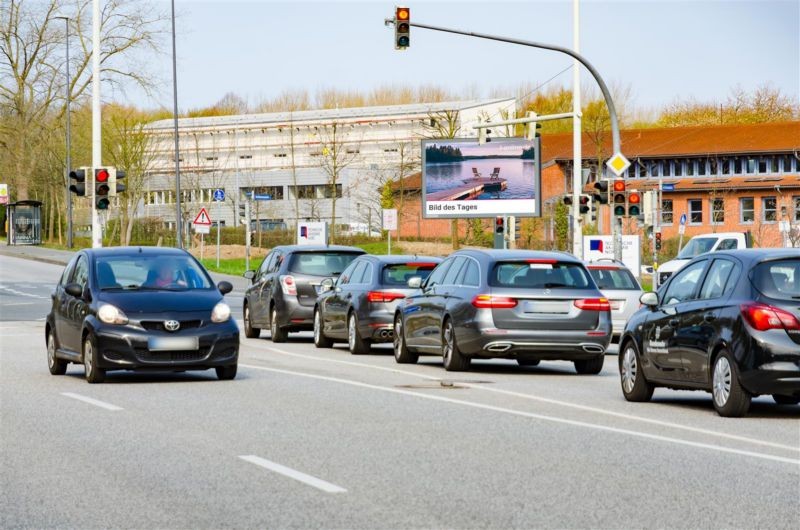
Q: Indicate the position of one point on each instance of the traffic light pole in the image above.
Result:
(97, 234)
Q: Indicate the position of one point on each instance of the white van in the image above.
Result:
(700, 244)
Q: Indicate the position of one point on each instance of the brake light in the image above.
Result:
(426, 264)
(593, 304)
(603, 268)
(549, 261)
(763, 317)
(288, 285)
(487, 301)
(384, 296)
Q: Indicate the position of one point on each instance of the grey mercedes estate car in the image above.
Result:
(523, 305)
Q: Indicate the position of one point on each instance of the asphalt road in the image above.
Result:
(314, 438)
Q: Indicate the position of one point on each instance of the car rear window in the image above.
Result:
(778, 279)
(397, 275)
(540, 274)
(613, 278)
(320, 263)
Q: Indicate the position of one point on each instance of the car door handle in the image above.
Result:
(674, 322)
(709, 317)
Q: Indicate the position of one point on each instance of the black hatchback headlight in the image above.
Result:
(221, 312)
(111, 314)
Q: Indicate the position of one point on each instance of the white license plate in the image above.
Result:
(542, 306)
(172, 343)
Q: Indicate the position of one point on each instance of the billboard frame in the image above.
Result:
(537, 179)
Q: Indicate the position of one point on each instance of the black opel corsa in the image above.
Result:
(140, 308)
(727, 323)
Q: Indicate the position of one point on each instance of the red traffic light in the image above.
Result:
(619, 185)
(101, 175)
(634, 198)
(499, 225)
(402, 13)
(584, 199)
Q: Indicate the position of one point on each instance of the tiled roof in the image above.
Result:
(719, 184)
(684, 141)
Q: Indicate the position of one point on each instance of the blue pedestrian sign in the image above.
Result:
(683, 219)
(219, 194)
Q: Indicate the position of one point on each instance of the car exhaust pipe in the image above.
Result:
(498, 347)
(386, 334)
(592, 348)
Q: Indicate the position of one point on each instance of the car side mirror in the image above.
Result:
(249, 275)
(415, 282)
(74, 289)
(326, 285)
(224, 287)
(650, 299)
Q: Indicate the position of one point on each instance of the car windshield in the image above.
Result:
(397, 275)
(778, 279)
(540, 274)
(143, 272)
(613, 278)
(697, 246)
(320, 263)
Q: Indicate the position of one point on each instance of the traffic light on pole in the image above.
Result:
(114, 186)
(499, 225)
(567, 199)
(584, 204)
(402, 28)
(79, 176)
(658, 240)
(601, 195)
(619, 198)
(101, 188)
(634, 204)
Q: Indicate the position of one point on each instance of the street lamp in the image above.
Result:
(178, 220)
(68, 126)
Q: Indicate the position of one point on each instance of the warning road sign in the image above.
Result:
(202, 218)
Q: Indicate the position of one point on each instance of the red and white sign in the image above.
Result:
(202, 222)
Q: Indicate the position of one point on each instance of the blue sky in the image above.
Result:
(663, 50)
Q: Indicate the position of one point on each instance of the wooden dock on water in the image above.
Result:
(470, 190)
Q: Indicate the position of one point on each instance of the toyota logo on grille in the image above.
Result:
(171, 325)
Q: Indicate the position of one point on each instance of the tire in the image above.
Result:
(634, 385)
(452, 358)
(320, 340)
(249, 331)
(355, 343)
(528, 362)
(277, 334)
(226, 373)
(401, 352)
(94, 374)
(590, 366)
(780, 399)
(57, 366)
(730, 399)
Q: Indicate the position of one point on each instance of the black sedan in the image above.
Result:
(359, 306)
(727, 323)
(140, 308)
(523, 305)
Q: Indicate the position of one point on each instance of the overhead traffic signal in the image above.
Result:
(499, 225)
(601, 195)
(114, 186)
(79, 176)
(402, 28)
(102, 188)
(658, 240)
(634, 204)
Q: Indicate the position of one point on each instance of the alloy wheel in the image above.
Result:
(273, 323)
(722, 381)
(88, 353)
(351, 332)
(447, 352)
(51, 351)
(396, 341)
(247, 325)
(317, 327)
(629, 369)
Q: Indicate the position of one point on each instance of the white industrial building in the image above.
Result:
(280, 157)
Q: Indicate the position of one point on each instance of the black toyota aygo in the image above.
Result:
(140, 308)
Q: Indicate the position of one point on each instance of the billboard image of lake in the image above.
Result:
(505, 171)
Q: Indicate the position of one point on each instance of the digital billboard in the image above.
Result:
(462, 178)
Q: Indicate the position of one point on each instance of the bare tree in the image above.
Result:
(337, 152)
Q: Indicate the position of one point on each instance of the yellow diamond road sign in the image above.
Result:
(618, 163)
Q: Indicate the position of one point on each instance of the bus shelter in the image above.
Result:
(25, 223)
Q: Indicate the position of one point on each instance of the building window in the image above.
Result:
(796, 201)
(726, 166)
(353, 151)
(695, 211)
(717, 211)
(747, 210)
(769, 209)
(275, 193)
(737, 166)
(786, 163)
(304, 191)
(279, 155)
(323, 191)
(678, 168)
(211, 158)
(751, 165)
(690, 167)
(666, 212)
(701, 167)
(245, 157)
(652, 168)
(713, 167)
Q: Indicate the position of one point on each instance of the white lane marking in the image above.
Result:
(551, 401)
(19, 303)
(554, 419)
(20, 293)
(294, 474)
(91, 401)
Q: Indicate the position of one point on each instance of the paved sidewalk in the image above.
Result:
(62, 257)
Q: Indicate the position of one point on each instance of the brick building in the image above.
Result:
(724, 178)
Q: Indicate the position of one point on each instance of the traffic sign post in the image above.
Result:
(681, 230)
(202, 226)
(219, 196)
(389, 224)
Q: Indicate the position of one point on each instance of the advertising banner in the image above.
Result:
(309, 233)
(462, 178)
(596, 247)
